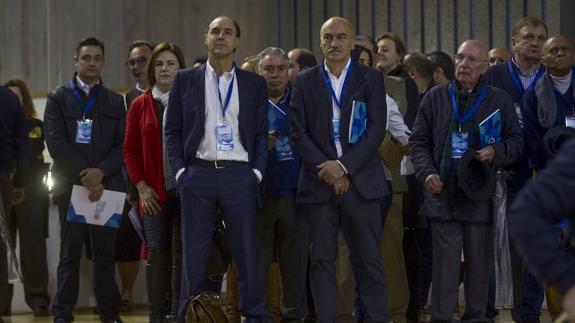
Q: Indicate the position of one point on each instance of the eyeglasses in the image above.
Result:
(472, 59)
(140, 61)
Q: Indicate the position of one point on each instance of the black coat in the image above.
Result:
(105, 150)
(13, 136)
(431, 133)
(544, 202)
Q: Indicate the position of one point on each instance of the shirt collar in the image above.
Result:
(343, 72)
(211, 73)
(83, 86)
(519, 69)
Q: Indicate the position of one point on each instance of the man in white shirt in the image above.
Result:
(216, 131)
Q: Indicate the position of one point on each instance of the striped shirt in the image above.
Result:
(526, 80)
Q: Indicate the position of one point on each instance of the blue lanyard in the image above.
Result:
(89, 105)
(229, 93)
(330, 87)
(517, 81)
(471, 111)
(281, 102)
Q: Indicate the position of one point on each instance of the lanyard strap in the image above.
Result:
(517, 81)
(226, 103)
(337, 100)
(278, 108)
(91, 101)
(471, 111)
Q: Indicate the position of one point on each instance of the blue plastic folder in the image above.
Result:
(490, 129)
(357, 122)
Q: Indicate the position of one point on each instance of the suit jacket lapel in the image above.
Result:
(324, 97)
(243, 104)
(353, 84)
(200, 93)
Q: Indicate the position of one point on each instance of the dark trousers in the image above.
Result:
(362, 220)
(103, 244)
(203, 190)
(281, 225)
(163, 267)
(30, 218)
(6, 290)
(527, 292)
(449, 239)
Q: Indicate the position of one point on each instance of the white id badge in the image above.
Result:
(570, 121)
(459, 144)
(336, 132)
(84, 131)
(224, 136)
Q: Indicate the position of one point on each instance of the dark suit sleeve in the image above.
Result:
(546, 201)
(532, 131)
(412, 96)
(113, 161)
(22, 143)
(261, 145)
(356, 156)
(299, 134)
(421, 141)
(61, 149)
(173, 127)
(511, 147)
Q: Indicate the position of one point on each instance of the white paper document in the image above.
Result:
(107, 211)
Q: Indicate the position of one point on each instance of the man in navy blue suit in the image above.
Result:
(216, 130)
(341, 181)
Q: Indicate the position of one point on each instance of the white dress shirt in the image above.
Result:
(207, 150)
(83, 86)
(337, 85)
(396, 127)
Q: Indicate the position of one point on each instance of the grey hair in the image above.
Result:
(270, 51)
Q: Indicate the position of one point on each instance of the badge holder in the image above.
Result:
(84, 131)
(224, 136)
(283, 149)
(459, 144)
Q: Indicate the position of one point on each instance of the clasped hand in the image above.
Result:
(333, 174)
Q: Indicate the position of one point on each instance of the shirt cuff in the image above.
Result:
(258, 174)
(180, 173)
(343, 167)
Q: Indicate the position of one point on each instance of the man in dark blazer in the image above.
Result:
(341, 183)
(216, 130)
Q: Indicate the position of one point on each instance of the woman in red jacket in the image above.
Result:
(146, 163)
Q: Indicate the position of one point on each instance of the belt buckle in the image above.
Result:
(216, 164)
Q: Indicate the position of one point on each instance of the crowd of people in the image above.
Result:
(346, 189)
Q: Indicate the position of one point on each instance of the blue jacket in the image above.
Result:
(13, 136)
(545, 201)
(185, 118)
(311, 132)
(534, 130)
